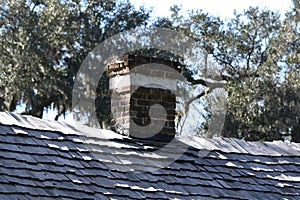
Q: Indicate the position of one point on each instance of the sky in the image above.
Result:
(221, 8)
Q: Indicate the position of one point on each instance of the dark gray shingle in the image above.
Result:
(40, 159)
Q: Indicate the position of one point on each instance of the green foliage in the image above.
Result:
(259, 53)
(43, 44)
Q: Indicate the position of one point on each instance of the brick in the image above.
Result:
(126, 108)
(115, 103)
(139, 95)
(119, 121)
(171, 75)
(123, 71)
(137, 108)
(154, 95)
(168, 131)
(142, 114)
(113, 109)
(171, 124)
(157, 73)
(168, 98)
(142, 71)
(143, 102)
(124, 89)
(171, 111)
(169, 105)
(125, 114)
(171, 117)
(146, 120)
(133, 102)
(124, 102)
(116, 115)
(143, 90)
(121, 96)
(120, 109)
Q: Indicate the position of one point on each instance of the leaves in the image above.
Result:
(43, 44)
(259, 53)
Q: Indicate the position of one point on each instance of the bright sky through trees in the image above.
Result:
(222, 8)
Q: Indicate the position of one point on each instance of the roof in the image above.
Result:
(44, 159)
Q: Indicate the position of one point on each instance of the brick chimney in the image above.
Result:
(143, 100)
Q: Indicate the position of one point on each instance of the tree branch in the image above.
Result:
(209, 83)
(187, 105)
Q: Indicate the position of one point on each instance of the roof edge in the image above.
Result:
(227, 145)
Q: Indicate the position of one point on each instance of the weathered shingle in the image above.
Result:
(42, 159)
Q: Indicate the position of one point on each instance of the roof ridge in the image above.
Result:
(227, 145)
(34, 123)
(234, 145)
(31, 122)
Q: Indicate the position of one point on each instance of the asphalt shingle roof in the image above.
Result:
(42, 159)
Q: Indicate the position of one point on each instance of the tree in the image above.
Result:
(43, 44)
(259, 54)
(260, 106)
